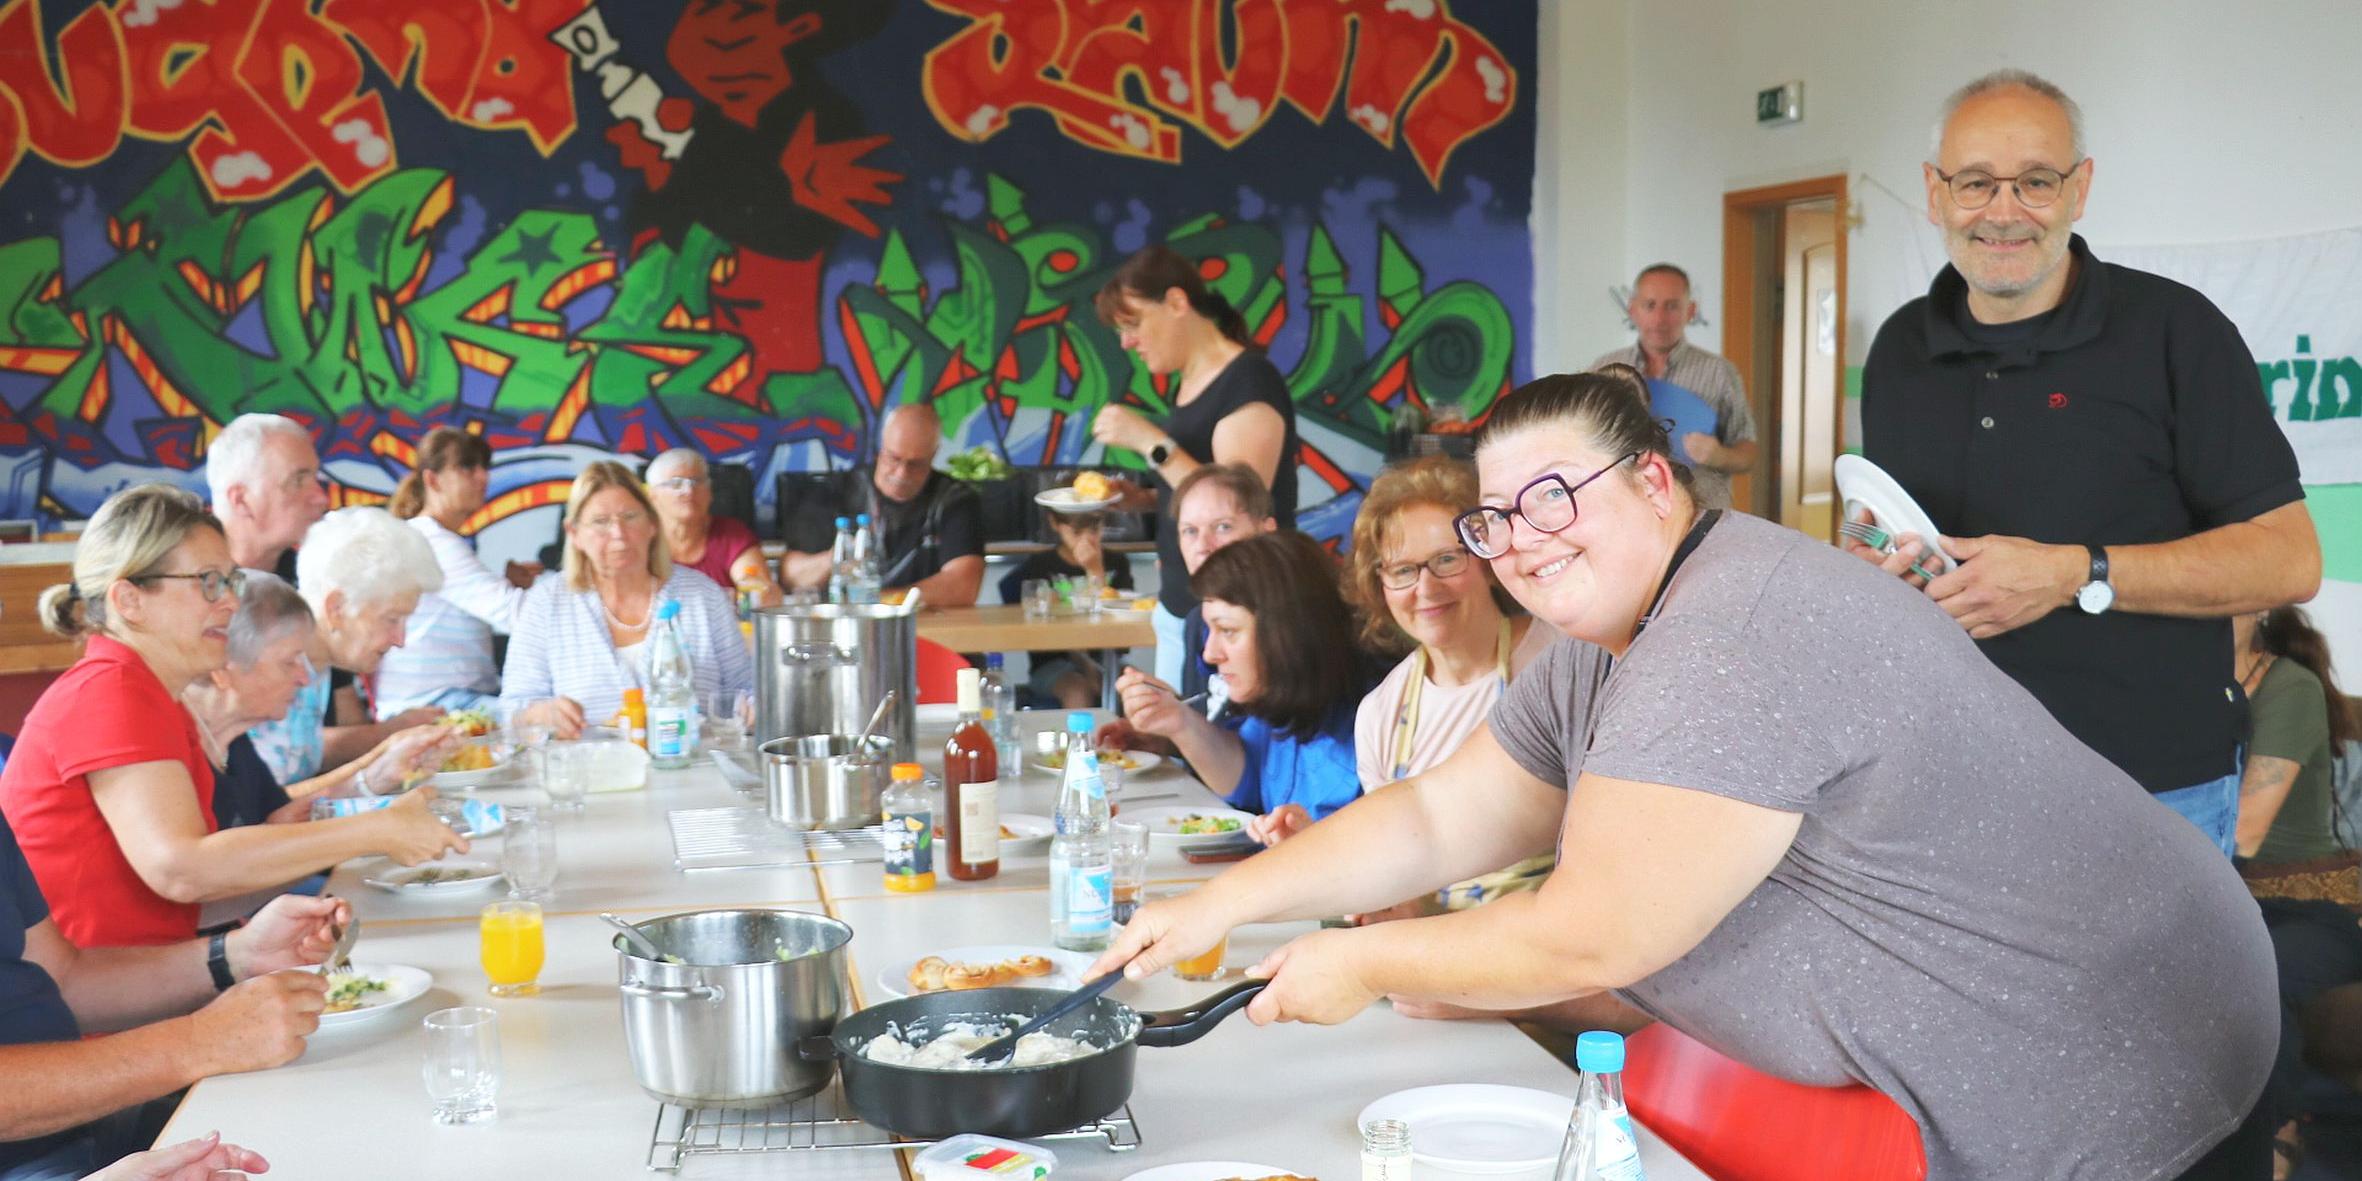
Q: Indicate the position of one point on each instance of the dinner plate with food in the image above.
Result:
(368, 992)
(1218, 1170)
(995, 965)
(1186, 826)
(1091, 492)
(435, 877)
(1133, 762)
(476, 762)
(1025, 833)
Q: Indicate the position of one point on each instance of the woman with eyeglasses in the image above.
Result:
(109, 789)
(724, 549)
(1800, 818)
(1281, 636)
(271, 638)
(582, 639)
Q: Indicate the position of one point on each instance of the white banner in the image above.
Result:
(2298, 302)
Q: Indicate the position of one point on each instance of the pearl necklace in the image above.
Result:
(617, 620)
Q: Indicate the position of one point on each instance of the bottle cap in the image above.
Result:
(904, 771)
(633, 696)
(1079, 722)
(669, 609)
(861, 519)
(968, 687)
(844, 522)
(992, 660)
(1599, 1052)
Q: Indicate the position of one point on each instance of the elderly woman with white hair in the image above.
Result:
(724, 549)
(363, 573)
(270, 641)
(108, 791)
(583, 639)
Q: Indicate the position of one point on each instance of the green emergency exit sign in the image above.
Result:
(1780, 104)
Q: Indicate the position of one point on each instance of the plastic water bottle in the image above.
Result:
(840, 564)
(1000, 711)
(862, 584)
(672, 693)
(1082, 856)
(1599, 1143)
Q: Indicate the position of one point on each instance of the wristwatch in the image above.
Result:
(2098, 594)
(217, 961)
(1158, 454)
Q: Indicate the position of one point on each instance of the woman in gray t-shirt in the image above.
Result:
(1810, 825)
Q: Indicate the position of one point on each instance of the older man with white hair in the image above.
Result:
(264, 476)
(724, 549)
(362, 571)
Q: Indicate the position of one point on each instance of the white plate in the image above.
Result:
(403, 984)
(1142, 761)
(466, 779)
(1027, 833)
(1062, 500)
(894, 979)
(1861, 482)
(400, 880)
(1164, 823)
(1479, 1127)
(1209, 1170)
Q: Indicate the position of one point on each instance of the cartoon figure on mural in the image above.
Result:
(754, 62)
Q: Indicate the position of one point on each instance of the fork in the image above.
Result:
(340, 957)
(1878, 539)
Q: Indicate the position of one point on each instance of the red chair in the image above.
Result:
(1739, 1124)
(939, 673)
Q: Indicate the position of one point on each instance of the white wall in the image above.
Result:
(1579, 182)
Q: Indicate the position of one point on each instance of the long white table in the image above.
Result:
(354, 1106)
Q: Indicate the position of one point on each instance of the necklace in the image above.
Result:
(617, 620)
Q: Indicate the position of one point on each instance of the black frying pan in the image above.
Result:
(1009, 1101)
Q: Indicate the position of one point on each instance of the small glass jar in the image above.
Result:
(1386, 1150)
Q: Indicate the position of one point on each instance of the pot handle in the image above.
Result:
(700, 991)
(816, 654)
(1179, 1027)
(819, 1047)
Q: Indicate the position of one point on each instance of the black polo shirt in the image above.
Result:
(2132, 414)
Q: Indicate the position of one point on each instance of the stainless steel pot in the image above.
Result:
(826, 781)
(720, 1028)
(821, 669)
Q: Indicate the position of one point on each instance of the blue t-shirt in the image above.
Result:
(1317, 772)
(31, 1008)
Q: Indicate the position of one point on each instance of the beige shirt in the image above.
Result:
(1447, 715)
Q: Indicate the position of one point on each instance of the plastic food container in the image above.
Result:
(984, 1158)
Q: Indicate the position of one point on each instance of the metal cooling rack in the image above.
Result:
(816, 1124)
(745, 838)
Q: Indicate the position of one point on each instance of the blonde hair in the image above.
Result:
(129, 536)
(597, 478)
(1439, 480)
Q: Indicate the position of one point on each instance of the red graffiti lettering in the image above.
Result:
(1416, 73)
(272, 91)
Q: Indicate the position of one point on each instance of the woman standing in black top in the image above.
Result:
(1230, 405)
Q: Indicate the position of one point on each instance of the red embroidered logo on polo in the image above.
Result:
(2058, 401)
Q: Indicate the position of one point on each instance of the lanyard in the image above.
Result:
(1406, 718)
(1689, 545)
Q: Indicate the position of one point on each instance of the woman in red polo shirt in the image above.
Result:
(109, 789)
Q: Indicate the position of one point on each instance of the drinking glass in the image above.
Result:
(511, 947)
(462, 1069)
(1086, 593)
(1111, 778)
(563, 765)
(1204, 966)
(1039, 597)
(529, 852)
(1130, 841)
(524, 735)
(729, 718)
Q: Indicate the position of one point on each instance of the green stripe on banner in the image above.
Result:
(2337, 515)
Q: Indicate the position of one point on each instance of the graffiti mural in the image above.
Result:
(748, 226)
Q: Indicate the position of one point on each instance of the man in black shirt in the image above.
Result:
(2095, 446)
(930, 526)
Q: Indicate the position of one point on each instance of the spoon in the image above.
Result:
(861, 744)
(910, 601)
(639, 940)
(1001, 1047)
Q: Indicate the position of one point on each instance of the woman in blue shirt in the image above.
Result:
(1278, 631)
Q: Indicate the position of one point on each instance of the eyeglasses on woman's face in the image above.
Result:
(1445, 565)
(1547, 504)
(210, 583)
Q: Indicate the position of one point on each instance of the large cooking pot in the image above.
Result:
(720, 1028)
(1017, 1102)
(821, 669)
(826, 781)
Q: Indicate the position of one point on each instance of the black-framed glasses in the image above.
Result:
(1975, 188)
(1405, 575)
(1547, 504)
(210, 583)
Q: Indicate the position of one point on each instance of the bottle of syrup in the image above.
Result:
(971, 848)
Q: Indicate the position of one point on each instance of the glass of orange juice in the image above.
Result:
(1206, 965)
(511, 937)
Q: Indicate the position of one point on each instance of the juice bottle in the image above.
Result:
(909, 835)
(632, 719)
